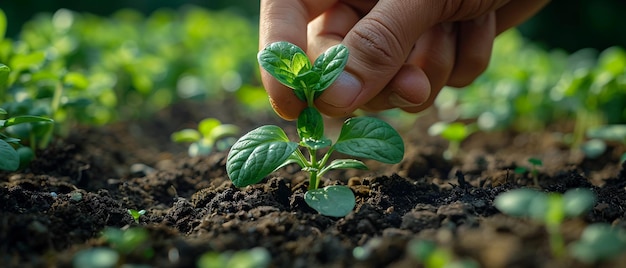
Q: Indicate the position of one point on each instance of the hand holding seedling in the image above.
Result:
(267, 148)
(403, 52)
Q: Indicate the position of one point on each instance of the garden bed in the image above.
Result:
(80, 185)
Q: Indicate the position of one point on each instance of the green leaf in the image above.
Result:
(371, 138)
(224, 130)
(207, 125)
(535, 162)
(186, 135)
(310, 124)
(25, 119)
(330, 64)
(316, 144)
(4, 75)
(516, 202)
(3, 111)
(258, 153)
(3, 24)
(9, 158)
(306, 81)
(334, 201)
(346, 163)
(284, 61)
(578, 201)
(455, 132)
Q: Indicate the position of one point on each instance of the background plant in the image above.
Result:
(210, 135)
(549, 208)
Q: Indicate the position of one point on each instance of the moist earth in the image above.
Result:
(87, 181)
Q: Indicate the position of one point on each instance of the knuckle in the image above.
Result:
(378, 43)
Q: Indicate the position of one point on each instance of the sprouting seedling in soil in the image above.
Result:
(535, 163)
(432, 256)
(599, 136)
(549, 208)
(254, 257)
(267, 148)
(210, 136)
(455, 133)
(136, 214)
(599, 242)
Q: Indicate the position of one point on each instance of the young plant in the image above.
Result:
(136, 214)
(267, 148)
(431, 256)
(550, 208)
(454, 133)
(598, 242)
(535, 163)
(251, 258)
(210, 135)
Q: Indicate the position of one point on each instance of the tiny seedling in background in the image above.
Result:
(252, 258)
(599, 242)
(455, 133)
(267, 148)
(210, 136)
(549, 208)
(136, 214)
(535, 163)
(599, 136)
(432, 256)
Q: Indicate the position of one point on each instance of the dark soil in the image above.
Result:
(87, 181)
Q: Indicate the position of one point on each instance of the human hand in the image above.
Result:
(402, 52)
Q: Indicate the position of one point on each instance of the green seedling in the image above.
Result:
(599, 242)
(136, 214)
(549, 208)
(252, 258)
(211, 135)
(535, 163)
(267, 148)
(455, 133)
(432, 256)
(599, 136)
(129, 241)
(11, 158)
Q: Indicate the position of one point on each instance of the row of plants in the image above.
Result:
(71, 68)
(530, 89)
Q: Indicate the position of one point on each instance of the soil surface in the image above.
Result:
(86, 182)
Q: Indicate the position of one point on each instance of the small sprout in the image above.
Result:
(211, 135)
(128, 241)
(431, 256)
(252, 258)
(136, 214)
(455, 133)
(550, 208)
(535, 163)
(598, 242)
(96, 257)
(267, 148)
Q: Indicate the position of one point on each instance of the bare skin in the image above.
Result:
(402, 52)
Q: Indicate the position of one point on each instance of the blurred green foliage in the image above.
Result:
(570, 25)
(19, 12)
(98, 69)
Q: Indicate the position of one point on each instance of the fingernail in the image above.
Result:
(397, 101)
(346, 90)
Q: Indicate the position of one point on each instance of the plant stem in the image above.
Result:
(314, 179)
(557, 245)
